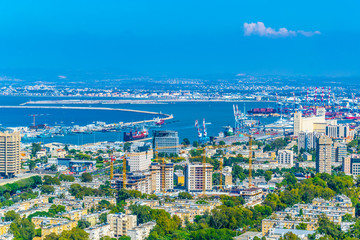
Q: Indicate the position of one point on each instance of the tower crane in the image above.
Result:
(250, 157)
(163, 163)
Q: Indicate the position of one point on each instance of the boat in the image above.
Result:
(135, 135)
(158, 121)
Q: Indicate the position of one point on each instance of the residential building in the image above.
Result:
(162, 176)
(53, 225)
(346, 165)
(140, 181)
(142, 231)
(164, 140)
(307, 156)
(323, 154)
(139, 158)
(9, 154)
(76, 214)
(98, 231)
(4, 227)
(196, 179)
(334, 209)
(120, 223)
(184, 209)
(355, 164)
(285, 157)
(340, 151)
(337, 131)
(307, 140)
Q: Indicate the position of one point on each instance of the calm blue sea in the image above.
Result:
(219, 114)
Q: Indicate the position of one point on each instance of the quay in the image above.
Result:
(166, 116)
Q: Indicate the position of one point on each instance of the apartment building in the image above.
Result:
(142, 231)
(140, 181)
(324, 153)
(334, 209)
(9, 154)
(120, 223)
(162, 177)
(198, 177)
(76, 214)
(4, 227)
(139, 158)
(285, 157)
(98, 231)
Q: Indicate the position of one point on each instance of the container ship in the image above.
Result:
(262, 111)
(135, 135)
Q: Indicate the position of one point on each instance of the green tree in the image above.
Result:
(74, 234)
(31, 165)
(86, 177)
(290, 236)
(186, 141)
(103, 218)
(11, 216)
(143, 213)
(35, 147)
(268, 175)
(195, 144)
(53, 167)
(185, 195)
(47, 189)
(23, 229)
(52, 236)
(83, 224)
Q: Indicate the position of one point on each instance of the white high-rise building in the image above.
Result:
(139, 161)
(120, 223)
(337, 131)
(285, 157)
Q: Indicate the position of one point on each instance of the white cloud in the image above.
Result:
(260, 29)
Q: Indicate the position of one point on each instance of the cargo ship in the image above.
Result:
(262, 111)
(135, 135)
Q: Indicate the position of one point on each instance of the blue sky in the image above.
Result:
(181, 37)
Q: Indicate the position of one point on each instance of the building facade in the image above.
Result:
(120, 223)
(285, 157)
(324, 153)
(166, 139)
(196, 180)
(98, 231)
(9, 154)
(162, 177)
(139, 161)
